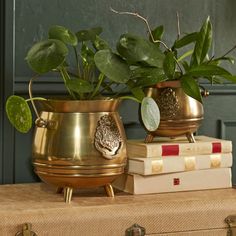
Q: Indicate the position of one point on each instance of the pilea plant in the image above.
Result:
(95, 72)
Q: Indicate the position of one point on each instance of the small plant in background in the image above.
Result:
(95, 73)
(150, 63)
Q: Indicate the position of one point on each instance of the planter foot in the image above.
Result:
(190, 137)
(149, 138)
(68, 194)
(109, 190)
(59, 190)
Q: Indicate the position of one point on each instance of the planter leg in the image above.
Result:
(59, 190)
(68, 194)
(190, 137)
(149, 138)
(109, 190)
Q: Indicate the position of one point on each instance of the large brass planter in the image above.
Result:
(179, 113)
(79, 144)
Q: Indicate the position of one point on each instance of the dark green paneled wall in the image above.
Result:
(32, 20)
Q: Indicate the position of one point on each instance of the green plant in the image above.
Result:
(151, 61)
(86, 78)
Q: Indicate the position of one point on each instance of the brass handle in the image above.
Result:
(204, 92)
(26, 231)
(135, 230)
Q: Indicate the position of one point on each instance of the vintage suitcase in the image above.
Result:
(92, 213)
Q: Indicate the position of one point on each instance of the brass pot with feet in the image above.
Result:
(79, 144)
(180, 114)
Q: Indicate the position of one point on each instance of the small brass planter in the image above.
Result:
(79, 144)
(180, 114)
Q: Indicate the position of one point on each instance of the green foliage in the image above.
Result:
(19, 113)
(139, 51)
(96, 69)
(152, 63)
(46, 55)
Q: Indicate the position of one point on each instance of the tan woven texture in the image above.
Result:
(92, 213)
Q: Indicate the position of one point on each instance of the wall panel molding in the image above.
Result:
(224, 124)
(52, 85)
(8, 133)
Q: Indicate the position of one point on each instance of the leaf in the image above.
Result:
(169, 64)
(191, 87)
(207, 70)
(63, 34)
(186, 54)
(138, 93)
(150, 114)
(18, 113)
(157, 34)
(185, 40)
(231, 78)
(185, 65)
(46, 55)
(87, 55)
(147, 76)
(88, 35)
(137, 50)
(112, 66)
(79, 85)
(218, 60)
(203, 43)
(100, 44)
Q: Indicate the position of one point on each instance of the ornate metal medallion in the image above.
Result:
(168, 103)
(107, 138)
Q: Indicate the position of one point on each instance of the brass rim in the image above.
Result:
(77, 175)
(86, 167)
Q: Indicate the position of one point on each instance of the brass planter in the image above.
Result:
(180, 113)
(79, 144)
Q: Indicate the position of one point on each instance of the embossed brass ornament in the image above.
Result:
(84, 144)
(107, 137)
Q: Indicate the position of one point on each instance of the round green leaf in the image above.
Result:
(87, 35)
(63, 34)
(46, 55)
(112, 66)
(137, 50)
(19, 113)
(150, 114)
(79, 85)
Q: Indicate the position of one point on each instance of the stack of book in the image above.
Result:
(171, 165)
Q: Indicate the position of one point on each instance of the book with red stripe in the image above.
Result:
(174, 182)
(170, 164)
(178, 147)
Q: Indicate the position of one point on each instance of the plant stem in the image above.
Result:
(100, 79)
(131, 98)
(77, 61)
(35, 98)
(66, 77)
(229, 51)
(146, 22)
(149, 30)
(31, 96)
(178, 25)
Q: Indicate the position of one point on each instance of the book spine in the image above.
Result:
(175, 182)
(152, 166)
(183, 149)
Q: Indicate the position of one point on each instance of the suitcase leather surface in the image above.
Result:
(92, 213)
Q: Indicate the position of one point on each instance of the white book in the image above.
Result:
(178, 146)
(169, 164)
(174, 182)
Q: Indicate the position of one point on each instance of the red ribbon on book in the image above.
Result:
(216, 147)
(170, 150)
